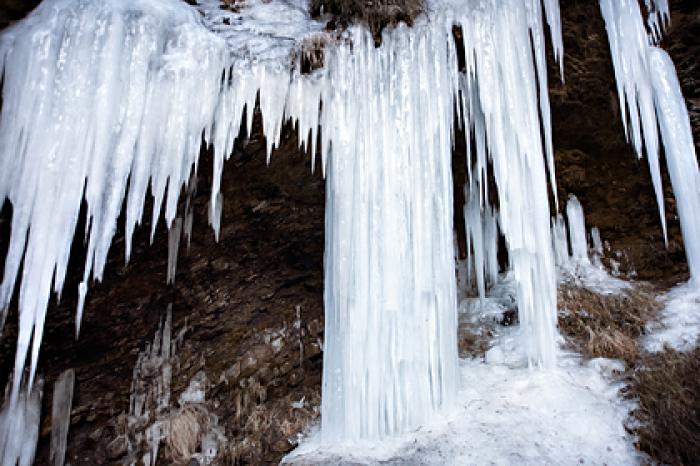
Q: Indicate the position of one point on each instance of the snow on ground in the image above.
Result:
(507, 413)
(592, 276)
(679, 326)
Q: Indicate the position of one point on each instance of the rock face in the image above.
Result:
(252, 303)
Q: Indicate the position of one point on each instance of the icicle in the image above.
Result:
(174, 236)
(389, 245)
(505, 90)
(649, 93)
(215, 209)
(577, 230)
(19, 425)
(482, 242)
(60, 416)
(597, 242)
(681, 159)
(560, 243)
(629, 47)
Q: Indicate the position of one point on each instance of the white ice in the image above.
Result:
(104, 99)
(108, 99)
(679, 325)
(582, 266)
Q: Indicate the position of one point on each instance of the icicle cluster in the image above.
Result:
(481, 225)
(651, 99)
(98, 98)
(504, 102)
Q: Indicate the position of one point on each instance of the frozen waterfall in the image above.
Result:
(104, 100)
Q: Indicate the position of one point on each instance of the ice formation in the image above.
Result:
(108, 100)
(389, 246)
(60, 416)
(173, 81)
(19, 425)
(650, 99)
(581, 266)
(481, 225)
(504, 103)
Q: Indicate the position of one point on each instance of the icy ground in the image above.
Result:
(507, 413)
(679, 326)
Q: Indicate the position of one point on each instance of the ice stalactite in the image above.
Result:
(650, 98)
(95, 94)
(570, 243)
(577, 230)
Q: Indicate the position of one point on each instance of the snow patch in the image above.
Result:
(679, 326)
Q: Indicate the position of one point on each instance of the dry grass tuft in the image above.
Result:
(376, 14)
(667, 387)
(606, 325)
(186, 428)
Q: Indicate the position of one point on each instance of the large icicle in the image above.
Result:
(390, 356)
(650, 98)
(501, 96)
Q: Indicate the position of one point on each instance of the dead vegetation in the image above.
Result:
(665, 385)
(667, 422)
(376, 14)
(606, 325)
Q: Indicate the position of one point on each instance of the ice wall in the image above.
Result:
(651, 99)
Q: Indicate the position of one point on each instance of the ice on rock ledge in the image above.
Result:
(582, 266)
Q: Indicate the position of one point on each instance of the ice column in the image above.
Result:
(390, 354)
(505, 102)
(482, 239)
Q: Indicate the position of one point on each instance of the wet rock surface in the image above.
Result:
(252, 303)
